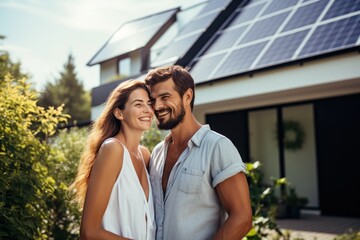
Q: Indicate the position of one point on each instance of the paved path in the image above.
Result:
(311, 227)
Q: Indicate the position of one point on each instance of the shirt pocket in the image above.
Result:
(190, 180)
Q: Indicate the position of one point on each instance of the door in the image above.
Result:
(338, 146)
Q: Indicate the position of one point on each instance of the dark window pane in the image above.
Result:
(202, 69)
(265, 28)
(282, 49)
(333, 36)
(341, 7)
(277, 5)
(240, 60)
(306, 15)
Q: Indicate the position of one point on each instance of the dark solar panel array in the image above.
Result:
(132, 35)
(190, 33)
(268, 32)
(334, 35)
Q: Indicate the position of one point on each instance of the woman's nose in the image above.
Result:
(149, 108)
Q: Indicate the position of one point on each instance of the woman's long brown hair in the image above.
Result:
(104, 127)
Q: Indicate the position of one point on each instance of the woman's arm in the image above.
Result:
(104, 173)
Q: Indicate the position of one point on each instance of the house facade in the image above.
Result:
(281, 79)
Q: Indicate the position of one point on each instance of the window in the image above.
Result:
(125, 67)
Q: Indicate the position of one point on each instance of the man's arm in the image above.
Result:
(235, 198)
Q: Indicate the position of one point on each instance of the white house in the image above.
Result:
(258, 64)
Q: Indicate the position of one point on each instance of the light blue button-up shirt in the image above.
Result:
(190, 208)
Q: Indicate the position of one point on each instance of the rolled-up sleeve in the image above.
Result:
(226, 161)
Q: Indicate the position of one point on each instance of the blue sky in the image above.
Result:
(41, 33)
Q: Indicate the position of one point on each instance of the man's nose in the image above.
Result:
(157, 105)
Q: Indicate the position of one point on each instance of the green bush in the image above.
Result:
(25, 182)
(152, 137)
(66, 148)
(263, 203)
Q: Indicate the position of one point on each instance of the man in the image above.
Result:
(197, 175)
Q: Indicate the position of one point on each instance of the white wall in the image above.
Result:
(108, 70)
(135, 62)
(300, 165)
(333, 76)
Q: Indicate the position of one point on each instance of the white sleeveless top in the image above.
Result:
(128, 213)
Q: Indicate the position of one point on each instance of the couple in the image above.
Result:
(192, 186)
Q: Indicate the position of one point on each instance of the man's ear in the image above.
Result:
(188, 96)
(117, 113)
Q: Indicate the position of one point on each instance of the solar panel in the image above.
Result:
(173, 52)
(310, 27)
(239, 60)
(283, 48)
(132, 35)
(306, 15)
(277, 5)
(198, 24)
(332, 36)
(246, 14)
(342, 7)
(214, 5)
(201, 71)
(225, 40)
(265, 27)
(170, 54)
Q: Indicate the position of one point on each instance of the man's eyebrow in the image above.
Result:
(161, 95)
(164, 94)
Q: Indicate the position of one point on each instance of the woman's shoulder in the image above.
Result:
(111, 149)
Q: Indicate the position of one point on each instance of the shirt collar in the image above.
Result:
(196, 138)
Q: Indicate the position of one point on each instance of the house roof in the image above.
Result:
(134, 35)
(236, 37)
(266, 33)
(195, 32)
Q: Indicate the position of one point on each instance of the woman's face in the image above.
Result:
(138, 113)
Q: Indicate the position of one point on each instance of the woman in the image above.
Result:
(112, 179)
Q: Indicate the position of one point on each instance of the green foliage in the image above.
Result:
(68, 90)
(152, 137)
(349, 235)
(263, 203)
(293, 199)
(66, 149)
(8, 66)
(25, 183)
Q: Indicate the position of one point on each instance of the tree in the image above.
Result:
(7, 66)
(25, 183)
(68, 90)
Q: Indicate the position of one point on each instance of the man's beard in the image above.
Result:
(172, 122)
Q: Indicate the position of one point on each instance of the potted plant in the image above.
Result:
(294, 203)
